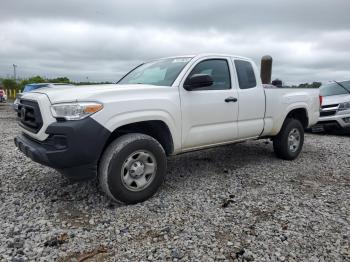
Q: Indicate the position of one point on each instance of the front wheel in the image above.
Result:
(289, 142)
(132, 168)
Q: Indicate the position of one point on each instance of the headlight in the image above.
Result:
(344, 106)
(75, 111)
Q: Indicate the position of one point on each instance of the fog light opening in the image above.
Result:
(346, 120)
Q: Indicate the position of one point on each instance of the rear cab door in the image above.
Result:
(251, 97)
(209, 114)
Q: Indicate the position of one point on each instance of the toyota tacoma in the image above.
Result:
(122, 133)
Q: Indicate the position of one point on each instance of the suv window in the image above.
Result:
(31, 87)
(218, 69)
(334, 89)
(245, 73)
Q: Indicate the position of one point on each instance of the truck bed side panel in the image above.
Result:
(281, 101)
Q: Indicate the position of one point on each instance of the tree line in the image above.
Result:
(279, 83)
(10, 83)
(307, 85)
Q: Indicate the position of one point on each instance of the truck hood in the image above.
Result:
(94, 92)
(332, 100)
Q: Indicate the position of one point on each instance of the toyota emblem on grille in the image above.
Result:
(23, 113)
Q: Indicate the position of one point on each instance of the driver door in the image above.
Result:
(209, 114)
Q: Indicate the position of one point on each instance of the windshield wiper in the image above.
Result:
(342, 86)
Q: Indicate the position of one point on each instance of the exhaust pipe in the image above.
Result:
(266, 69)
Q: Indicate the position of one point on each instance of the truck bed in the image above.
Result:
(288, 99)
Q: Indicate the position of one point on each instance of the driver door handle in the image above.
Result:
(231, 99)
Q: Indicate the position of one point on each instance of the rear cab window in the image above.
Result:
(245, 74)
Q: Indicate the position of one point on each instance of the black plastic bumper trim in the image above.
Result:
(73, 147)
(31, 149)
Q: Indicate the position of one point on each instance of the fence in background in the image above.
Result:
(11, 93)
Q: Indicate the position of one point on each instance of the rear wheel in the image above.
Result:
(132, 168)
(289, 142)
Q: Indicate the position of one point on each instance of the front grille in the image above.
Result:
(330, 106)
(29, 115)
(328, 113)
(329, 110)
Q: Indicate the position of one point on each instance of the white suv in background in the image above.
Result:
(335, 111)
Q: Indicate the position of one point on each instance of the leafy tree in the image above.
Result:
(62, 79)
(312, 85)
(277, 82)
(36, 79)
(9, 83)
(31, 80)
(316, 84)
(307, 85)
(22, 83)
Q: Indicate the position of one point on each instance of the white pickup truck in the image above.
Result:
(122, 133)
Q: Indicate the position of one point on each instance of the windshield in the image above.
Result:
(334, 89)
(160, 73)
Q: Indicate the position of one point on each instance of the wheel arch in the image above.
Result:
(300, 114)
(157, 129)
(297, 112)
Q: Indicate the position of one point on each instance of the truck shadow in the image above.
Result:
(194, 167)
(219, 160)
(345, 133)
(223, 170)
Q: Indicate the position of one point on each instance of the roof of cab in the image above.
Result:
(200, 55)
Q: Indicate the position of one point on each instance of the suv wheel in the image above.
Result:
(289, 142)
(132, 168)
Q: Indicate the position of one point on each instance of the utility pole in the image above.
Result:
(14, 71)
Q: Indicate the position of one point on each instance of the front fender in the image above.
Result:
(125, 118)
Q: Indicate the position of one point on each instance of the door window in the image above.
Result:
(219, 71)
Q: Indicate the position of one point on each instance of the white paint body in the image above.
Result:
(196, 120)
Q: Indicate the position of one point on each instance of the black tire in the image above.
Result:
(280, 142)
(113, 161)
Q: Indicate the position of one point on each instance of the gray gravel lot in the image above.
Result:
(236, 202)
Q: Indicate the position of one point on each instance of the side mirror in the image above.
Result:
(197, 81)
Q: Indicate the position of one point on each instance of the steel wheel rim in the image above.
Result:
(138, 170)
(294, 140)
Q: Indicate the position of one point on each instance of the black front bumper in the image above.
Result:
(73, 147)
(32, 149)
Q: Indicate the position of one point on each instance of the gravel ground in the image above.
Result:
(236, 202)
